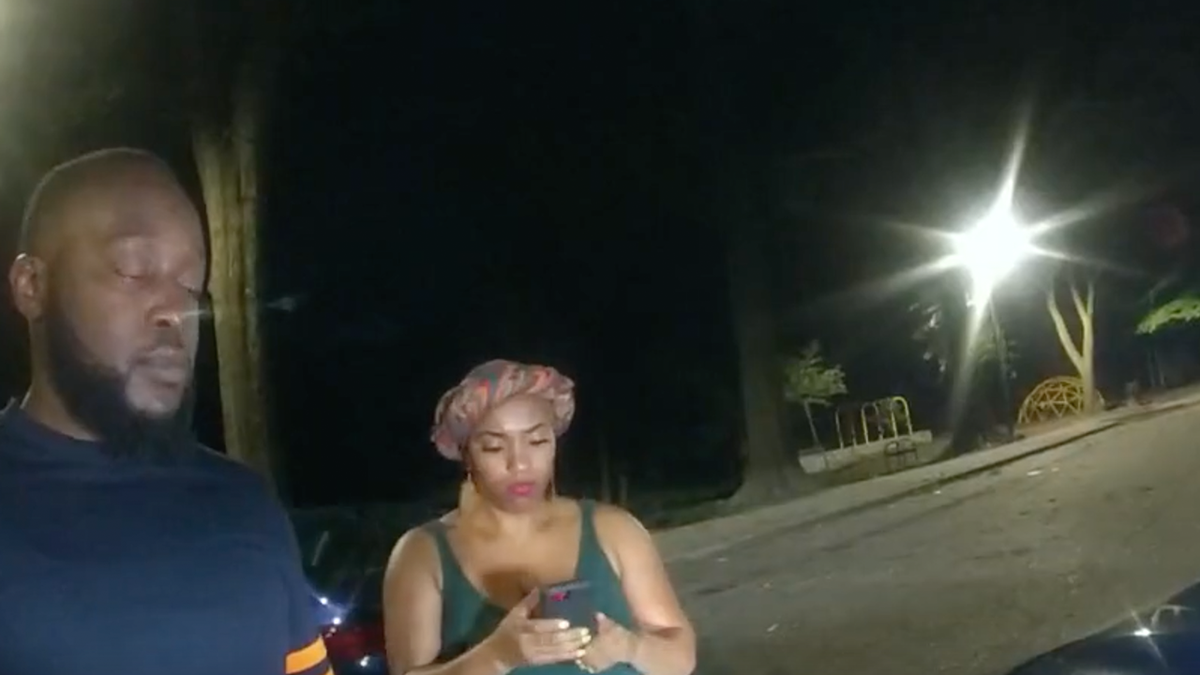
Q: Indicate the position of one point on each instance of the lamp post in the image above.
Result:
(1001, 342)
(989, 251)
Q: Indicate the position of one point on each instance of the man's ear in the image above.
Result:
(27, 283)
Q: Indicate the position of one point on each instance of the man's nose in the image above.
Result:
(174, 305)
(166, 319)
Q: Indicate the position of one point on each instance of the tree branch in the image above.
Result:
(1064, 334)
(1077, 300)
(1085, 320)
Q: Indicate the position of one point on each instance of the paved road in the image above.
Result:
(970, 579)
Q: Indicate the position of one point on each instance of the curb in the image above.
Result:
(877, 502)
(933, 484)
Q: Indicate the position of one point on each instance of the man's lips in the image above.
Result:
(170, 369)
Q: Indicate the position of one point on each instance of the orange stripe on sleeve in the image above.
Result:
(303, 659)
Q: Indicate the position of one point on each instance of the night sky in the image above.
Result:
(456, 181)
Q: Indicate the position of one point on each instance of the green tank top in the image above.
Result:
(468, 617)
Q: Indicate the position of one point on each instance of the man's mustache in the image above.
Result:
(168, 351)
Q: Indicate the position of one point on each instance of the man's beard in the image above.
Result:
(95, 395)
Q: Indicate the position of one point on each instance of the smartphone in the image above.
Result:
(570, 601)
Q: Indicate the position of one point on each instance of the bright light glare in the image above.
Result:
(992, 249)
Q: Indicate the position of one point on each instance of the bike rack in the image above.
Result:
(892, 403)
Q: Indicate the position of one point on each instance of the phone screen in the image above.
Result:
(570, 601)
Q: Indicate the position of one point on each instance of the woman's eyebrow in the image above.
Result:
(492, 432)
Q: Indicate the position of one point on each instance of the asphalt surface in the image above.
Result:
(972, 578)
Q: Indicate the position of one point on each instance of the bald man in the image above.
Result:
(125, 546)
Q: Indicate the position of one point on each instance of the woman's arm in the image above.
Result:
(664, 642)
(412, 614)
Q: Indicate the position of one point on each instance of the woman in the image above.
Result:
(460, 593)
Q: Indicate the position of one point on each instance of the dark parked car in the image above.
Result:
(1162, 641)
(343, 560)
(345, 550)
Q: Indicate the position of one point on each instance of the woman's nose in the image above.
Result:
(518, 461)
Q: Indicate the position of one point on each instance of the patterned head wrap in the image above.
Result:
(487, 386)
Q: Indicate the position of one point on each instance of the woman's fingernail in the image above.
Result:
(563, 625)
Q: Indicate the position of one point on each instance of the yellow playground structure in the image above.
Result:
(1054, 399)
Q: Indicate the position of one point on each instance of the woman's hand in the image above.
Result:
(612, 644)
(520, 640)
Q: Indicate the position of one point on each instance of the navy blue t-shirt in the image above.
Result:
(130, 567)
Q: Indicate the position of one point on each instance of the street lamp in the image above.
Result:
(989, 251)
(992, 248)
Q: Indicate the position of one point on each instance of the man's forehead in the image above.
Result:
(134, 186)
(131, 201)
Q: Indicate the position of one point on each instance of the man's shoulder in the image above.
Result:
(218, 461)
(247, 495)
(222, 466)
(239, 482)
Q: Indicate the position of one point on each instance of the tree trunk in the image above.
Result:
(1158, 379)
(769, 472)
(812, 427)
(227, 157)
(1081, 356)
(1086, 308)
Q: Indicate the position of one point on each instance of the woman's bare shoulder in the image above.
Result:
(447, 520)
(619, 531)
(612, 519)
(416, 550)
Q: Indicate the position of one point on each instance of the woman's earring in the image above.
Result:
(468, 494)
